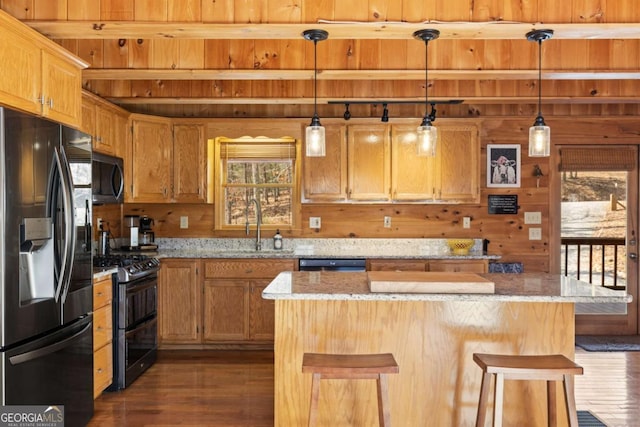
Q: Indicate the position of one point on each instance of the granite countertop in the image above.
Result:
(525, 287)
(316, 248)
(100, 273)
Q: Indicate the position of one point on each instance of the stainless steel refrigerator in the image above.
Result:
(46, 301)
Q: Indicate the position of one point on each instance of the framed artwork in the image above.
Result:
(503, 165)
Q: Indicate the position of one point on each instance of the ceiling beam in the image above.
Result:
(499, 30)
(260, 74)
(417, 100)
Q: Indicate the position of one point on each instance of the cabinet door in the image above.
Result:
(325, 178)
(21, 71)
(226, 312)
(369, 162)
(62, 89)
(458, 168)
(104, 140)
(261, 313)
(468, 266)
(411, 175)
(179, 308)
(151, 161)
(189, 164)
(88, 125)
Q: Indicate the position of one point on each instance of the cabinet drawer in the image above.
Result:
(102, 369)
(102, 327)
(102, 293)
(242, 268)
(397, 265)
(468, 266)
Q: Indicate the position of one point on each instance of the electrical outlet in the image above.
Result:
(535, 233)
(99, 222)
(466, 222)
(387, 222)
(184, 222)
(533, 218)
(314, 222)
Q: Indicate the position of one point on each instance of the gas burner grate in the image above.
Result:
(117, 260)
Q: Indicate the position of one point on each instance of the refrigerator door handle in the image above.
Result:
(70, 228)
(63, 264)
(52, 348)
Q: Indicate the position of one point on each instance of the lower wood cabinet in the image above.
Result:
(234, 308)
(453, 265)
(102, 335)
(179, 302)
(223, 305)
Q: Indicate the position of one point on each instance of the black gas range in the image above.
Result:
(130, 266)
(135, 330)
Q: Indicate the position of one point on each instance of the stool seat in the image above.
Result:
(550, 368)
(351, 366)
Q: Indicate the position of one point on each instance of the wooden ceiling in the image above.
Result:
(247, 58)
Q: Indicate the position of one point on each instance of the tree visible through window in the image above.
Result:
(256, 172)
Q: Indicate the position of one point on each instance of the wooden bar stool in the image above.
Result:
(550, 368)
(351, 366)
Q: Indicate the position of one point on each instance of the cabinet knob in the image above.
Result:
(99, 370)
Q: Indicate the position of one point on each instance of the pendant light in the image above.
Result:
(539, 133)
(427, 134)
(314, 136)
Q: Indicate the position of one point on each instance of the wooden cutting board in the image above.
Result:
(430, 282)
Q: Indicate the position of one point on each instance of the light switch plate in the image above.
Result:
(387, 222)
(466, 222)
(535, 233)
(184, 222)
(315, 222)
(533, 218)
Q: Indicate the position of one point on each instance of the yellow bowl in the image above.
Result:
(460, 246)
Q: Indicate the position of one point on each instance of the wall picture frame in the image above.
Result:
(503, 165)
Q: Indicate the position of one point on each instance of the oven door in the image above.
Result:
(138, 349)
(138, 301)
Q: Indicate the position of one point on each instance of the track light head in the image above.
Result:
(385, 113)
(347, 113)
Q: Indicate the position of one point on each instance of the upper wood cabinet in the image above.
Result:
(106, 123)
(381, 165)
(369, 162)
(168, 161)
(39, 76)
(325, 178)
(149, 160)
(189, 175)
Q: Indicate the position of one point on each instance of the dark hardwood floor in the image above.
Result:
(235, 388)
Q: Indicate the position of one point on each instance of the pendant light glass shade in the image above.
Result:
(539, 133)
(314, 135)
(427, 134)
(427, 138)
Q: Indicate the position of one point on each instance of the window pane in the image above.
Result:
(259, 172)
(275, 204)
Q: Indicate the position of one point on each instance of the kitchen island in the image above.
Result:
(432, 337)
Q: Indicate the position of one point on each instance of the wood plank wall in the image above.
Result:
(508, 234)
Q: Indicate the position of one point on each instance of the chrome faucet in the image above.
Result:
(258, 221)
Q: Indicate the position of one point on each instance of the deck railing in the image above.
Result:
(604, 257)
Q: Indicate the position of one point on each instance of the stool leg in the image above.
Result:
(315, 396)
(484, 398)
(569, 395)
(498, 400)
(552, 412)
(384, 412)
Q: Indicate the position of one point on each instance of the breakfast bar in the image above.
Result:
(432, 335)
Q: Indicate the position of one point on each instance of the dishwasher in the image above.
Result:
(332, 264)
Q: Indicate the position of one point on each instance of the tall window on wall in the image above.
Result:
(256, 177)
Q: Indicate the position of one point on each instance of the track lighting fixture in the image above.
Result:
(539, 133)
(427, 134)
(315, 141)
(347, 113)
(385, 113)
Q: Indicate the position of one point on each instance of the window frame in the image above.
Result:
(220, 184)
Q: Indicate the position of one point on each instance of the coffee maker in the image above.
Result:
(132, 223)
(146, 235)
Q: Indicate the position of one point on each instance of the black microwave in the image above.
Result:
(107, 179)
